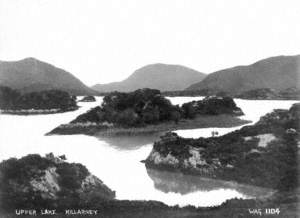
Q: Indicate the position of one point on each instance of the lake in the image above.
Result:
(116, 161)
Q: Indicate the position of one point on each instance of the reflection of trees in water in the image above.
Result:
(167, 181)
(129, 142)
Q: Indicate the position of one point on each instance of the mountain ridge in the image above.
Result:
(165, 77)
(279, 72)
(30, 74)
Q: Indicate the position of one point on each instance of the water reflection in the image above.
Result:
(116, 161)
(176, 182)
(130, 142)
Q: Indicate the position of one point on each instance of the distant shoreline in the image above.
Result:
(37, 111)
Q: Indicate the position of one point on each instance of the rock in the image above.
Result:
(48, 181)
(291, 131)
(89, 98)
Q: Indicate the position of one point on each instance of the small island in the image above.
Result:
(263, 154)
(88, 98)
(147, 111)
(43, 102)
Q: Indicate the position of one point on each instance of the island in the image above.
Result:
(88, 98)
(147, 111)
(264, 154)
(42, 102)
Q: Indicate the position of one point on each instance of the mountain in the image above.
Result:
(30, 74)
(278, 73)
(155, 76)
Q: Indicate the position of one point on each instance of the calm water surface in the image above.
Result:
(116, 161)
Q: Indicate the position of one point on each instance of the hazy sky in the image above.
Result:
(100, 41)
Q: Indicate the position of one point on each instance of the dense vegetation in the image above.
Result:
(11, 99)
(143, 106)
(237, 155)
(148, 106)
(210, 106)
(196, 92)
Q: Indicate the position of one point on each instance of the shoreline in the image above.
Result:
(237, 97)
(37, 111)
(283, 204)
(208, 175)
(201, 121)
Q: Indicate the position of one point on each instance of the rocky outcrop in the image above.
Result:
(35, 181)
(175, 152)
(263, 154)
(89, 98)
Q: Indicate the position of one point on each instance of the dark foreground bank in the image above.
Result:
(36, 186)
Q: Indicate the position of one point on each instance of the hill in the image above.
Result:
(30, 75)
(278, 73)
(155, 76)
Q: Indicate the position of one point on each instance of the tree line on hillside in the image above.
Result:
(11, 99)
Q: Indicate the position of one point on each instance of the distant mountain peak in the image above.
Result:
(165, 77)
(31, 74)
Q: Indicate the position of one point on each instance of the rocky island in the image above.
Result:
(264, 154)
(43, 102)
(88, 98)
(147, 111)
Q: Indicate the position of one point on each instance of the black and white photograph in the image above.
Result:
(149, 108)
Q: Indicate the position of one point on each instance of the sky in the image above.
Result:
(101, 41)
